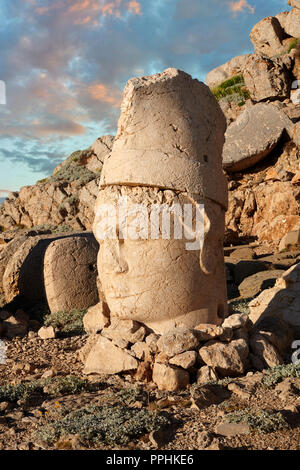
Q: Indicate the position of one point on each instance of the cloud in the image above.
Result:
(240, 6)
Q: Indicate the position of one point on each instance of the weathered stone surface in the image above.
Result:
(282, 301)
(267, 78)
(236, 321)
(253, 136)
(253, 285)
(265, 351)
(184, 360)
(47, 332)
(24, 272)
(151, 341)
(233, 67)
(294, 3)
(232, 429)
(206, 332)
(70, 272)
(291, 241)
(226, 359)
(106, 358)
(86, 349)
(277, 332)
(206, 374)
(15, 325)
(68, 200)
(142, 351)
(96, 318)
(168, 159)
(292, 23)
(170, 378)
(208, 394)
(177, 341)
(267, 37)
(126, 330)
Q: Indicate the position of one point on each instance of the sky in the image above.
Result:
(65, 64)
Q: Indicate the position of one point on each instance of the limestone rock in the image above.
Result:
(291, 241)
(151, 341)
(206, 374)
(126, 330)
(208, 394)
(142, 351)
(292, 23)
(96, 318)
(294, 3)
(106, 358)
(253, 285)
(233, 67)
(47, 332)
(70, 272)
(86, 349)
(236, 321)
(170, 378)
(226, 359)
(206, 332)
(253, 136)
(267, 37)
(15, 325)
(282, 301)
(277, 332)
(232, 429)
(265, 351)
(267, 78)
(177, 341)
(184, 360)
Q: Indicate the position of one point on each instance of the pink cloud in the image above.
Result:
(240, 6)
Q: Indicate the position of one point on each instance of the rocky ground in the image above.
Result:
(192, 419)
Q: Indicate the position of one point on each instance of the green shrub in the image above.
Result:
(293, 45)
(277, 374)
(232, 89)
(56, 386)
(262, 421)
(68, 323)
(114, 425)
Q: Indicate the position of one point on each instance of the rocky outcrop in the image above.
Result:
(267, 37)
(267, 78)
(65, 198)
(281, 301)
(233, 67)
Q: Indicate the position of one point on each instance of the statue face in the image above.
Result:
(158, 282)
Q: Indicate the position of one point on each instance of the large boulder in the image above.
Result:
(70, 273)
(282, 301)
(267, 37)
(253, 136)
(233, 67)
(267, 78)
(294, 3)
(292, 23)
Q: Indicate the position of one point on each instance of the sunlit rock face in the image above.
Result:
(161, 206)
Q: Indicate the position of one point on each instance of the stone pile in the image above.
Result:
(182, 355)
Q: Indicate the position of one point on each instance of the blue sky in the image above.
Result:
(65, 64)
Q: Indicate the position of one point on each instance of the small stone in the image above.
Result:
(142, 351)
(206, 332)
(96, 318)
(49, 373)
(236, 321)
(238, 390)
(177, 341)
(47, 332)
(265, 351)
(232, 429)
(125, 330)
(227, 359)
(151, 341)
(206, 374)
(170, 378)
(184, 360)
